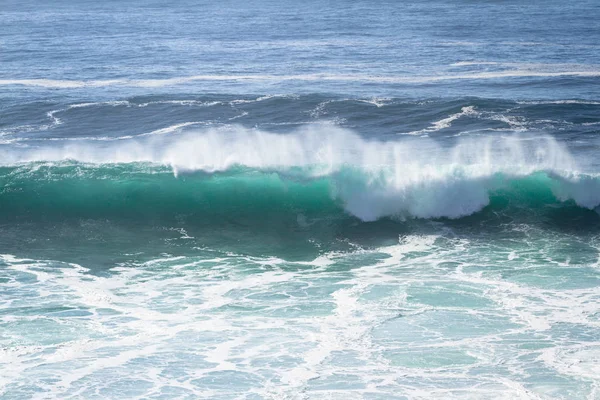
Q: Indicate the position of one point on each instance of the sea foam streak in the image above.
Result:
(513, 70)
(373, 179)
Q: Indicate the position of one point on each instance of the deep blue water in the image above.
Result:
(286, 200)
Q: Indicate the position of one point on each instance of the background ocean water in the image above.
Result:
(286, 200)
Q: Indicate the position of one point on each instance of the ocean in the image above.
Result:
(299, 200)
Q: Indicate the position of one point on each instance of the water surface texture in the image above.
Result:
(299, 200)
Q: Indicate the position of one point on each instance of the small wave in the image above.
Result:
(515, 123)
(173, 128)
(57, 121)
(445, 122)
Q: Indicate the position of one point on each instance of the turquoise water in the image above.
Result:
(390, 200)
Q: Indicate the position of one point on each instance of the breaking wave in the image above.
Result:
(313, 170)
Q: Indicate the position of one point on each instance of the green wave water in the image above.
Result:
(149, 193)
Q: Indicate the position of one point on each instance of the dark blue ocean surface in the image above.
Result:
(286, 200)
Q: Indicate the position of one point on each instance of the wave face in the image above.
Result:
(314, 170)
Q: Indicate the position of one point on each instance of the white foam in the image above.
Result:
(262, 98)
(579, 360)
(55, 120)
(517, 71)
(176, 326)
(114, 103)
(183, 103)
(446, 122)
(471, 63)
(542, 102)
(60, 83)
(516, 124)
(173, 128)
(376, 101)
